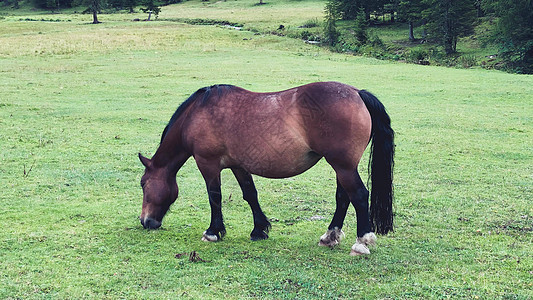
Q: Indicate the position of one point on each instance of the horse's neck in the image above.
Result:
(170, 153)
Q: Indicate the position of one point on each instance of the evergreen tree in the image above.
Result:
(130, 4)
(348, 8)
(514, 31)
(447, 20)
(411, 11)
(95, 7)
(52, 4)
(151, 8)
(391, 7)
(331, 12)
(13, 3)
(361, 27)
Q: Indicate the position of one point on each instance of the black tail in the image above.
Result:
(381, 165)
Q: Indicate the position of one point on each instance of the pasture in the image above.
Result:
(79, 101)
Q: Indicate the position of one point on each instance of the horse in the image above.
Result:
(277, 135)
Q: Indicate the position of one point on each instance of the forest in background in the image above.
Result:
(505, 25)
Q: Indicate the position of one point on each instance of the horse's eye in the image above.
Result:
(143, 183)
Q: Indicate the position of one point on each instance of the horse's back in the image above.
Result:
(282, 134)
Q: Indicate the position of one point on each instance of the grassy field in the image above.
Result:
(78, 102)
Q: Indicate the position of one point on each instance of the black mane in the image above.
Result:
(206, 92)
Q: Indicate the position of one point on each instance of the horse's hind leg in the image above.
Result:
(358, 195)
(334, 234)
(249, 193)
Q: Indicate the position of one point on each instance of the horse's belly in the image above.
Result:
(276, 163)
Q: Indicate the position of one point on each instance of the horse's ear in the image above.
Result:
(145, 161)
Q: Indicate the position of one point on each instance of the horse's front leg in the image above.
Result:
(211, 176)
(249, 193)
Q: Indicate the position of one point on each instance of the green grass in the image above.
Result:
(290, 13)
(79, 102)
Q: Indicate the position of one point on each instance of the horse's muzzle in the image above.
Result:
(149, 223)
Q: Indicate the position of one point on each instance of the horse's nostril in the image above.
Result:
(150, 223)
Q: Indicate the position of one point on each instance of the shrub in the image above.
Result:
(311, 23)
(376, 41)
(467, 61)
(417, 55)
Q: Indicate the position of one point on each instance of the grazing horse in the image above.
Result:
(277, 135)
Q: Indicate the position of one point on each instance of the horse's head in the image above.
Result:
(159, 192)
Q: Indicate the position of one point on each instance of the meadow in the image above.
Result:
(79, 101)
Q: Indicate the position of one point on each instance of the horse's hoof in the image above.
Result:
(258, 235)
(361, 245)
(367, 239)
(331, 238)
(359, 249)
(209, 237)
(264, 236)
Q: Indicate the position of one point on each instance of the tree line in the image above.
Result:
(96, 6)
(445, 21)
(61, 4)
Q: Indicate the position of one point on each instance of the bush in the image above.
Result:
(467, 61)
(417, 55)
(309, 36)
(311, 23)
(374, 40)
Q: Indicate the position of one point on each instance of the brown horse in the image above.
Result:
(277, 135)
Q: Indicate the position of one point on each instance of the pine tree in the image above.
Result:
(331, 13)
(514, 31)
(94, 7)
(361, 27)
(348, 8)
(151, 8)
(447, 20)
(411, 11)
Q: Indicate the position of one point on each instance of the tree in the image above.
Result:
(331, 14)
(513, 31)
(95, 6)
(52, 4)
(123, 4)
(391, 8)
(447, 20)
(151, 7)
(411, 11)
(13, 3)
(479, 8)
(361, 27)
(130, 4)
(348, 9)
